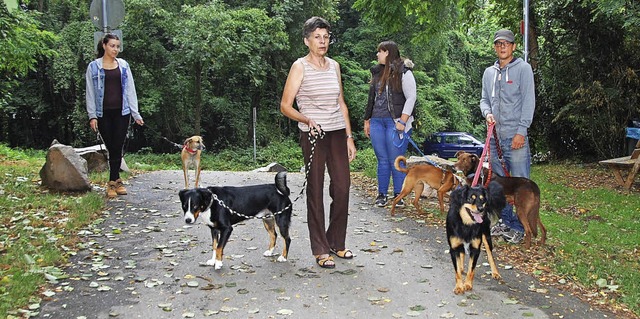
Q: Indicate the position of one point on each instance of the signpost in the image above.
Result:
(106, 15)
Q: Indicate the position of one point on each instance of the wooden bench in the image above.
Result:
(621, 164)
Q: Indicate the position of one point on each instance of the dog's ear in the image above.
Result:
(181, 194)
(458, 153)
(207, 196)
(187, 141)
(458, 196)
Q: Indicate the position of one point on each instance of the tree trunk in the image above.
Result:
(533, 36)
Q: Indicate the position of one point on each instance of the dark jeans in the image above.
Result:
(113, 129)
(330, 152)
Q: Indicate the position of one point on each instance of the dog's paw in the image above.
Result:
(496, 276)
(281, 259)
(268, 253)
(217, 265)
(211, 262)
(458, 290)
(468, 286)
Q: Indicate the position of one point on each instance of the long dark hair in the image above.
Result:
(392, 72)
(104, 41)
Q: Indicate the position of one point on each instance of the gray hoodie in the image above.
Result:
(509, 95)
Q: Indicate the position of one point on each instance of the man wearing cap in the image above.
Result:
(508, 100)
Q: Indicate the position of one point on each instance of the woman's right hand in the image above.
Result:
(367, 129)
(314, 128)
(94, 124)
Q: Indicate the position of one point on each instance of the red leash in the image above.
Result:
(499, 150)
(485, 153)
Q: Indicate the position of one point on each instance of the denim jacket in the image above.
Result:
(95, 89)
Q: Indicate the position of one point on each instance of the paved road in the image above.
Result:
(143, 262)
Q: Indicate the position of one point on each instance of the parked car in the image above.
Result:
(447, 144)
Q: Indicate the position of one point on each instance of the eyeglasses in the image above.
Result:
(501, 44)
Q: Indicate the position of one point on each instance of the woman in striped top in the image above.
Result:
(315, 83)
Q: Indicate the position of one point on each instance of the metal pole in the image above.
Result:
(526, 30)
(254, 134)
(105, 28)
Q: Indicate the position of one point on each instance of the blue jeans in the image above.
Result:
(387, 145)
(518, 163)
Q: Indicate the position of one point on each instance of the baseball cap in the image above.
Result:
(504, 34)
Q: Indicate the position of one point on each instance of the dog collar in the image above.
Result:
(189, 150)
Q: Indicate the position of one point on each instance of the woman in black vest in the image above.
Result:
(389, 115)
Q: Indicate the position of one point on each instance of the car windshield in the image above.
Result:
(466, 140)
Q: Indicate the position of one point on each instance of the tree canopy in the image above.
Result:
(203, 67)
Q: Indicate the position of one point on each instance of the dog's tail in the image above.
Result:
(281, 183)
(403, 160)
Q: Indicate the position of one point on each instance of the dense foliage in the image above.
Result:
(204, 67)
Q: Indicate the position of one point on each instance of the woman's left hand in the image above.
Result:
(351, 149)
(140, 122)
(400, 126)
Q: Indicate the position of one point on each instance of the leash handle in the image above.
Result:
(499, 151)
(487, 147)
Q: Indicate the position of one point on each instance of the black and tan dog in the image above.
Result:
(256, 201)
(190, 155)
(471, 210)
(419, 174)
(523, 193)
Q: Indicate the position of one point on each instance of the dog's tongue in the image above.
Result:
(477, 217)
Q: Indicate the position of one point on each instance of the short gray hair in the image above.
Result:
(314, 23)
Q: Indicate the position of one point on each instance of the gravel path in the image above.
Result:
(143, 262)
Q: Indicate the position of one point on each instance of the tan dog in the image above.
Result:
(441, 180)
(523, 193)
(191, 157)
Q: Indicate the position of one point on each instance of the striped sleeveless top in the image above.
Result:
(318, 95)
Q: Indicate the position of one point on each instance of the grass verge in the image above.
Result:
(594, 231)
(37, 228)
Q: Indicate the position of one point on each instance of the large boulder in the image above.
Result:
(96, 157)
(64, 170)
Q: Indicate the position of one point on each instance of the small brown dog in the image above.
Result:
(523, 193)
(441, 180)
(191, 157)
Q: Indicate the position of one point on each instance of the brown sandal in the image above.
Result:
(326, 262)
(344, 254)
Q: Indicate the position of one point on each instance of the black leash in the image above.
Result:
(313, 139)
(179, 146)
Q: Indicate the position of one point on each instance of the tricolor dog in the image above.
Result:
(469, 227)
(223, 207)
(190, 155)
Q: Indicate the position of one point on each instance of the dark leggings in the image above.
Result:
(113, 129)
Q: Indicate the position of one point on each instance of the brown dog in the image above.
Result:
(439, 179)
(523, 193)
(191, 157)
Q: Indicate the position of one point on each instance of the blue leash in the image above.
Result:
(414, 145)
(402, 136)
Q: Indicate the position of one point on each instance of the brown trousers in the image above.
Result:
(330, 151)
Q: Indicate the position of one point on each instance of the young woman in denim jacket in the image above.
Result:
(111, 101)
(388, 117)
